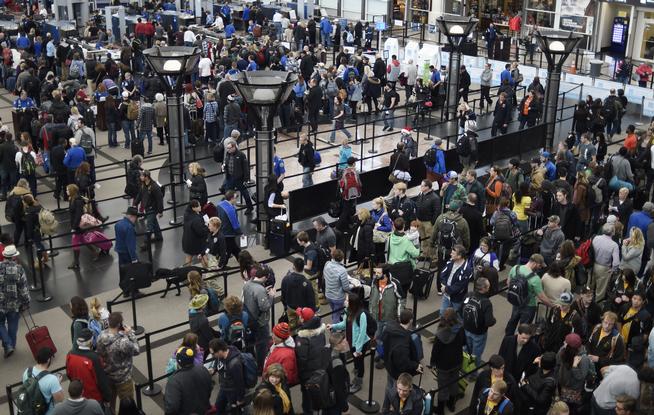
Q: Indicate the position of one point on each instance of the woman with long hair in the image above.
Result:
(362, 239)
(197, 185)
(355, 325)
(194, 235)
(264, 403)
(247, 265)
(190, 340)
(112, 115)
(574, 367)
(572, 268)
(274, 381)
(382, 228)
(79, 311)
(632, 250)
(32, 208)
(76, 210)
(580, 199)
(83, 180)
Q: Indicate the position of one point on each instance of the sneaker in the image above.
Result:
(355, 387)
(440, 292)
(9, 351)
(379, 364)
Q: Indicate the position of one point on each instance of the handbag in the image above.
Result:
(88, 221)
(570, 395)
(378, 236)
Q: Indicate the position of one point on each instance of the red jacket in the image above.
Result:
(86, 366)
(284, 354)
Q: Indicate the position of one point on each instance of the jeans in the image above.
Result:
(332, 136)
(112, 134)
(524, 314)
(152, 225)
(307, 179)
(231, 184)
(228, 129)
(447, 302)
(476, 343)
(611, 126)
(128, 130)
(389, 119)
(211, 131)
(381, 325)
(408, 90)
(8, 329)
(262, 345)
(61, 181)
(326, 39)
(336, 305)
(485, 97)
(147, 134)
(9, 179)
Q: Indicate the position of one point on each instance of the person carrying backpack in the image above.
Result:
(86, 139)
(505, 227)
(434, 160)
(478, 318)
(350, 189)
(258, 301)
(525, 288)
(450, 229)
(493, 401)
(40, 390)
(26, 162)
(404, 398)
(309, 344)
(610, 110)
(386, 301)
(231, 370)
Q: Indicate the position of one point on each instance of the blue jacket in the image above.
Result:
(641, 220)
(439, 167)
(125, 238)
(506, 74)
(326, 26)
(74, 157)
(22, 42)
(551, 171)
(458, 288)
(386, 224)
(229, 30)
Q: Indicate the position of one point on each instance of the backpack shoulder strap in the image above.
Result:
(614, 342)
(505, 402)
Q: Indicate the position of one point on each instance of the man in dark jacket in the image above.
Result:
(188, 390)
(493, 401)
(485, 378)
(237, 172)
(404, 399)
(229, 366)
(8, 168)
(464, 83)
(379, 69)
(428, 208)
(401, 205)
(306, 158)
(309, 344)
(454, 278)
(519, 351)
(152, 199)
(478, 318)
(400, 353)
(473, 185)
(57, 167)
(85, 365)
(537, 391)
(126, 245)
(339, 378)
(297, 292)
(314, 102)
(473, 216)
(502, 115)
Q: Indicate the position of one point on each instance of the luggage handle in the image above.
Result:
(34, 325)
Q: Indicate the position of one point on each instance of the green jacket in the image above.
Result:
(401, 249)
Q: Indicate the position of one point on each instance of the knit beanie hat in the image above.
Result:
(282, 330)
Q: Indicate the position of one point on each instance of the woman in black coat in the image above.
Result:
(274, 381)
(216, 245)
(447, 357)
(581, 120)
(197, 185)
(194, 237)
(362, 238)
(76, 210)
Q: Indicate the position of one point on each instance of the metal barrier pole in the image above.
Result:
(369, 406)
(272, 314)
(372, 149)
(44, 298)
(30, 253)
(51, 252)
(173, 221)
(152, 389)
(138, 330)
(415, 308)
(148, 245)
(10, 400)
(225, 283)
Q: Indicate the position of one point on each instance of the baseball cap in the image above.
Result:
(305, 313)
(451, 175)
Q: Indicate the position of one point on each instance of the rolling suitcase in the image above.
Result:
(423, 278)
(140, 272)
(279, 239)
(37, 337)
(98, 239)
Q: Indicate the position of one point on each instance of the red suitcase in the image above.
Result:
(37, 337)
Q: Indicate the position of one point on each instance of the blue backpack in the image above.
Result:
(503, 404)
(317, 159)
(249, 370)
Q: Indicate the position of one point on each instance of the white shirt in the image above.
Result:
(189, 36)
(218, 23)
(277, 17)
(285, 22)
(204, 66)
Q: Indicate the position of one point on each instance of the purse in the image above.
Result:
(198, 103)
(89, 221)
(378, 236)
(569, 395)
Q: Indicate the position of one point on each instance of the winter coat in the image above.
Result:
(188, 391)
(199, 324)
(428, 207)
(362, 240)
(230, 375)
(198, 189)
(160, 114)
(237, 166)
(518, 363)
(297, 291)
(483, 382)
(257, 302)
(116, 351)
(462, 229)
(309, 344)
(400, 354)
(401, 249)
(447, 351)
(278, 405)
(194, 236)
(457, 287)
(284, 354)
(538, 393)
(487, 319)
(413, 405)
(336, 281)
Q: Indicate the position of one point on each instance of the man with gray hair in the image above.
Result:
(553, 238)
(607, 259)
(411, 76)
(237, 172)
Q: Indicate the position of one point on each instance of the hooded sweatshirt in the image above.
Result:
(447, 351)
(401, 249)
(81, 407)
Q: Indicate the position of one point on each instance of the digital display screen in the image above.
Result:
(618, 33)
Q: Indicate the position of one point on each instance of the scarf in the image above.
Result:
(286, 402)
(231, 214)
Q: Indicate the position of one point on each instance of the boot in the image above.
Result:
(451, 404)
(356, 385)
(440, 408)
(75, 264)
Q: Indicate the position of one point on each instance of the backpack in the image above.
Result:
(349, 38)
(503, 229)
(236, 332)
(321, 393)
(317, 159)
(132, 110)
(27, 164)
(331, 89)
(608, 109)
(447, 234)
(503, 404)
(350, 185)
(463, 145)
(586, 253)
(47, 222)
(371, 323)
(506, 191)
(29, 398)
(74, 72)
(347, 109)
(472, 315)
(249, 370)
(321, 257)
(518, 293)
(86, 142)
(430, 157)
(13, 208)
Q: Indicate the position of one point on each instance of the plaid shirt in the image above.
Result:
(14, 291)
(145, 121)
(210, 111)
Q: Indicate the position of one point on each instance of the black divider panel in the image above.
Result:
(306, 203)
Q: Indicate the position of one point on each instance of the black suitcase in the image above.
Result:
(137, 147)
(423, 279)
(279, 239)
(140, 272)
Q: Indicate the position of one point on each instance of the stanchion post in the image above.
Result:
(173, 221)
(372, 149)
(415, 308)
(51, 252)
(370, 406)
(272, 314)
(138, 330)
(44, 298)
(10, 400)
(30, 253)
(152, 389)
(148, 245)
(225, 283)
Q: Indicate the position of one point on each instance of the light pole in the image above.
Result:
(172, 64)
(556, 46)
(263, 92)
(456, 29)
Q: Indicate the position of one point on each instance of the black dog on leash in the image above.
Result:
(175, 276)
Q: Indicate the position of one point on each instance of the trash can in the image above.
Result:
(596, 68)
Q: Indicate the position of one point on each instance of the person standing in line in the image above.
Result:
(258, 302)
(152, 199)
(391, 99)
(160, 115)
(476, 329)
(501, 115)
(527, 312)
(83, 364)
(188, 390)
(49, 384)
(231, 227)
(411, 77)
(454, 279)
(306, 158)
(77, 403)
(14, 297)
(145, 122)
(237, 172)
(126, 244)
(447, 358)
(485, 83)
(337, 283)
